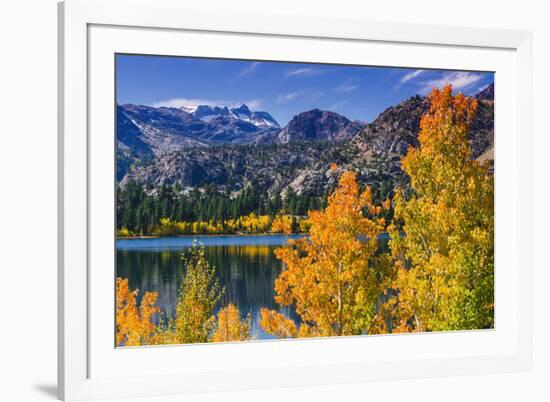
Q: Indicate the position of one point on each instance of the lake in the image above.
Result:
(245, 266)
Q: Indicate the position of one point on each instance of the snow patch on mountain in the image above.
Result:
(243, 113)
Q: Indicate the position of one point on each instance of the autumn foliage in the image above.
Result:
(282, 224)
(198, 296)
(230, 327)
(134, 326)
(277, 324)
(194, 321)
(247, 224)
(445, 261)
(332, 278)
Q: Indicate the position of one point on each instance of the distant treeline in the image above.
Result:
(140, 210)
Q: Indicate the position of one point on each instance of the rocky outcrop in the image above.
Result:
(397, 128)
(487, 93)
(318, 125)
(270, 167)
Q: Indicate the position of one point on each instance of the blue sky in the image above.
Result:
(282, 89)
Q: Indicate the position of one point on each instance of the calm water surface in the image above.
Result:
(245, 266)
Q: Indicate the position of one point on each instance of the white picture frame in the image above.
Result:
(90, 32)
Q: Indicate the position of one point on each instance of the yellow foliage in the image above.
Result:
(124, 232)
(134, 326)
(230, 327)
(334, 278)
(304, 225)
(251, 223)
(277, 324)
(282, 224)
(442, 237)
(198, 295)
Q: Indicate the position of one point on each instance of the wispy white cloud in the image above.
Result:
(303, 96)
(249, 69)
(346, 87)
(306, 71)
(253, 104)
(459, 80)
(288, 97)
(409, 76)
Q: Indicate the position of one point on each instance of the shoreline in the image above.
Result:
(137, 237)
(383, 235)
(143, 237)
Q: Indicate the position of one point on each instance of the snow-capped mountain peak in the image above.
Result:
(189, 109)
(243, 113)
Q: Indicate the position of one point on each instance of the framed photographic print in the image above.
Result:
(263, 201)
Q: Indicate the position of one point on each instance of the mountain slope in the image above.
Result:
(318, 125)
(168, 129)
(271, 167)
(162, 129)
(397, 127)
(487, 93)
(311, 142)
(144, 132)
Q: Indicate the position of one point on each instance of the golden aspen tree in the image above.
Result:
(442, 235)
(230, 327)
(198, 295)
(334, 277)
(282, 224)
(134, 326)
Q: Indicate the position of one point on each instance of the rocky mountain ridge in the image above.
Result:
(299, 156)
(487, 93)
(318, 125)
(207, 113)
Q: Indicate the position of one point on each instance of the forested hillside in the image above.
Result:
(170, 167)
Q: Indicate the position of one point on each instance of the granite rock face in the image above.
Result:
(318, 125)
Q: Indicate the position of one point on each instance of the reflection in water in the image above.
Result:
(247, 272)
